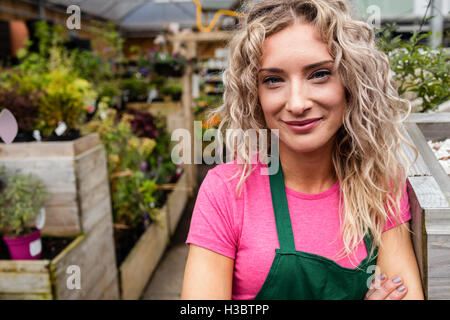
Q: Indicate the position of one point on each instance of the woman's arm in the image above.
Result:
(208, 275)
(397, 259)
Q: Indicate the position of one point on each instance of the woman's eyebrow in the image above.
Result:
(305, 68)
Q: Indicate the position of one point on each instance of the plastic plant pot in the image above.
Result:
(26, 247)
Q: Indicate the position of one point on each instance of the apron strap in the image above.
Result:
(281, 210)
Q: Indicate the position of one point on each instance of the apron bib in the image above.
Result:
(302, 275)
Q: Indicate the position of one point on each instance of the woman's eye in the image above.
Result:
(271, 80)
(321, 74)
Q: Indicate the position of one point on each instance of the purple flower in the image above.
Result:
(159, 160)
(143, 71)
(144, 166)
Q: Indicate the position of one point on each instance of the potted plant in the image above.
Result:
(135, 89)
(21, 199)
(166, 64)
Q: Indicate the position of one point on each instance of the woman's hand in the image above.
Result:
(386, 289)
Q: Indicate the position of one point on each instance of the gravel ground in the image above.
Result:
(442, 152)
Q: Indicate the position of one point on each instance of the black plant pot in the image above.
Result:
(176, 96)
(167, 70)
(70, 135)
(24, 137)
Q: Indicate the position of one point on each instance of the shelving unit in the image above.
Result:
(211, 73)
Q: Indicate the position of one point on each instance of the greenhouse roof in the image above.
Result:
(141, 15)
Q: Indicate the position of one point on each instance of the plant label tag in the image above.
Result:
(37, 135)
(62, 127)
(35, 247)
(40, 219)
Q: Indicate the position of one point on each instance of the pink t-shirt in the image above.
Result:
(243, 228)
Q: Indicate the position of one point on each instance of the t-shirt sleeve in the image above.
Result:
(405, 214)
(212, 223)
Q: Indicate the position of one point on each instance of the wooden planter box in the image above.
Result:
(75, 174)
(429, 193)
(47, 279)
(137, 268)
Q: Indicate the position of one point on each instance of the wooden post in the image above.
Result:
(191, 41)
(187, 102)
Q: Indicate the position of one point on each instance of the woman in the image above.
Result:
(321, 226)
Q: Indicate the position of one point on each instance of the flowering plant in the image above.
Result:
(167, 64)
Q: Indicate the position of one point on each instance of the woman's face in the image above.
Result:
(296, 82)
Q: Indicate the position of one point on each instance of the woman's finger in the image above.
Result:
(398, 293)
(377, 282)
(385, 289)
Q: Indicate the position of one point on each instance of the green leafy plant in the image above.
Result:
(21, 199)
(131, 192)
(64, 100)
(417, 67)
(167, 64)
(136, 89)
(63, 95)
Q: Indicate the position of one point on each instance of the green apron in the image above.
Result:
(301, 275)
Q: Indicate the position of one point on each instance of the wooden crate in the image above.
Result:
(137, 268)
(75, 174)
(429, 194)
(47, 279)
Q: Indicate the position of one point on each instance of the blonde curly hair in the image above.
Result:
(367, 156)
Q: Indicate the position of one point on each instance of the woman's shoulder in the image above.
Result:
(229, 174)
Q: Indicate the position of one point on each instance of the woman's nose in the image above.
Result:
(298, 99)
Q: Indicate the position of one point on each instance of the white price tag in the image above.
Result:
(40, 219)
(35, 247)
(62, 127)
(37, 135)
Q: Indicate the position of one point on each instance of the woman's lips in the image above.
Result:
(294, 126)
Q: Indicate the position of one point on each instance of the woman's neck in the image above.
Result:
(308, 172)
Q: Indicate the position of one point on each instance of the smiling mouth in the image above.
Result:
(302, 126)
(303, 122)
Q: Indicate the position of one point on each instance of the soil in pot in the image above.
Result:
(70, 135)
(51, 247)
(24, 137)
(124, 239)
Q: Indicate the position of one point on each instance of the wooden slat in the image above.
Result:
(25, 277)
(428, 192)
(91, 163)
(95, 255)
(439, 255)
(26, 296)
(439, 289)
(111, 292)
(441, 117)
(85, 143)
(176, 201)
(94, 196)
(58, 175)
(140, 263)
(418, 237)
(62, 220)
(37, 150)
(96, 214)
(433, 165)
(419, 167)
